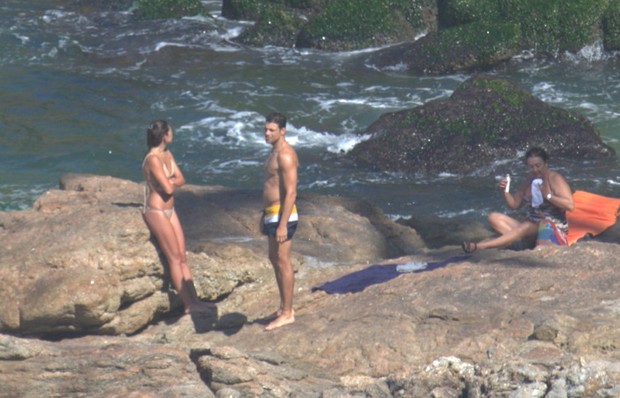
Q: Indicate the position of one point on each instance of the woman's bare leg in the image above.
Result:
(188, 280)
(163, 230)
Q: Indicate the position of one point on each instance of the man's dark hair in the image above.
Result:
(276, 118)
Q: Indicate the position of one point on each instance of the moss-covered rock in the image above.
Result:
(463, 48)
(611, 26)
(85, 6)
(546, 26)
(161, 9)
(242, 9)
(556, 25)
(464, 35)
(275, 26)
(486, 119)
(463, 12)
(349, 24)
(475, 35)
(332, 24)
(251, 10)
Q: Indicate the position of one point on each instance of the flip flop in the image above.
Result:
(469, 247)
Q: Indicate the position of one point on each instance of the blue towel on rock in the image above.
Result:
(359, 280)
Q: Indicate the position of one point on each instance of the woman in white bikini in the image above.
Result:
(162, 177)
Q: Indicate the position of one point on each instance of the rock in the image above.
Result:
(476, 46)
(457, 35)
(494, 324)
(91, 367)
(86, 6)
(486, 119)
(83, 261)
(353, 24)
(332, 25)
(476, 36)
(145, 9)
(611, 26)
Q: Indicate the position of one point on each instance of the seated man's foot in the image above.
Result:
(281, 320)
(469, 247)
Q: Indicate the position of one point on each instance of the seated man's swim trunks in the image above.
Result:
(271, 219)
(551, 233)
(552, 224)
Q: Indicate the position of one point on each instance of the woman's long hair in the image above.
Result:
(155, 133)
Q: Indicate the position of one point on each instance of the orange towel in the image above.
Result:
(592, 215)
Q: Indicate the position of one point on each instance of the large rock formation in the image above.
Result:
(83, 260)
(534, 323)
(486, 119)
(461, 35)
(332, 25)
(477, 35)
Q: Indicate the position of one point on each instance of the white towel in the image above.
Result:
(411, 266)
(537, 198)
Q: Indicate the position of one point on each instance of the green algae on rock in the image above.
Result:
(486, 119)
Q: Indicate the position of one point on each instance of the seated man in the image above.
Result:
(546, 195)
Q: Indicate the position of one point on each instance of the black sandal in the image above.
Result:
(469, 247)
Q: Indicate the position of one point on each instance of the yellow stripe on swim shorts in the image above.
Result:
(272, 214)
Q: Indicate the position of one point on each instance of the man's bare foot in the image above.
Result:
(281, 320)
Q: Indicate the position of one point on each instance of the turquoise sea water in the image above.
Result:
(78, 88)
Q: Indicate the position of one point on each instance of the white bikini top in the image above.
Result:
(149, 183)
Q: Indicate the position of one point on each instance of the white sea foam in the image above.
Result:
(459, 213)
(321, 184)
(22, 38)
(591, 53)
(589, 106)
(18, 197)
(304, 137)
(399, 67)
(164, 44)
(328, 104)
(549, 93)
(245, 129)
(52, 15)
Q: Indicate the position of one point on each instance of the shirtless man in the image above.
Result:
(279, 219)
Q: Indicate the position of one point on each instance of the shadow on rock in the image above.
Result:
(229, 324)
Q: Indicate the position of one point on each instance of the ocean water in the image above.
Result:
(77, 90)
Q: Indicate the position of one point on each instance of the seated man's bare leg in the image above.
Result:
(502, 223)
(523, 231)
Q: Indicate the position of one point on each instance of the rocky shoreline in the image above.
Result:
(88, 312)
